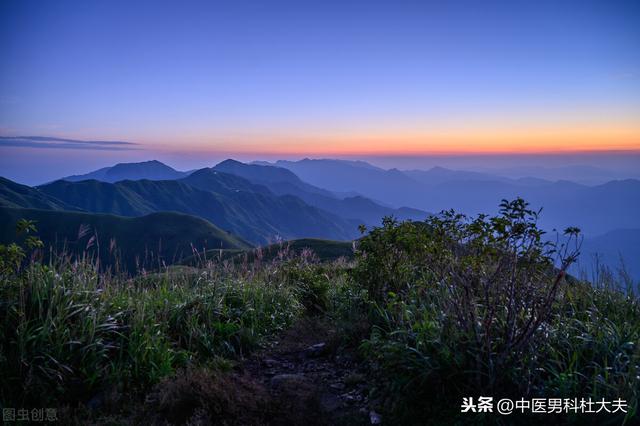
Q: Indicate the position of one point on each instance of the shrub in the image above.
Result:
(461, 306)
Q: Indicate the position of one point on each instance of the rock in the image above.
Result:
(375, 418)
(315, 350)
(285, 380)
(348, 398)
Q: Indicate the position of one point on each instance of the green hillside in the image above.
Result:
(14, 195)
(144, 240)
(230, 202)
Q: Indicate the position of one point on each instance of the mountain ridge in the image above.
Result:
(152, 170)
(230, 202)
(282, 181)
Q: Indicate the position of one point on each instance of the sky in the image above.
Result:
(196, 81)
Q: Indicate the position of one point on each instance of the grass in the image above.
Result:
(68, 332)
(132, 243)
(437, 311)
(322, 250)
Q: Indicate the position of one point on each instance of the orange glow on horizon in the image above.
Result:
(587, 138)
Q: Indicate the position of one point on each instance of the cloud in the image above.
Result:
(47, 142)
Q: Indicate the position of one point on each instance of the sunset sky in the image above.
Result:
(330, 78)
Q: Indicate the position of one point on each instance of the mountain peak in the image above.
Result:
(257, 173)
(149, 163)
(152, 170)
(230, 162)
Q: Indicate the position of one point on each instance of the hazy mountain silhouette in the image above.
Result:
(278, 179)
(389, 186)
(583, 174)
(438, 175)
(596, 209)
(153, 170)
(614, 248)
(282, 181)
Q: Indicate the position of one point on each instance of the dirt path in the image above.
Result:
(299, 378)
(310, 382)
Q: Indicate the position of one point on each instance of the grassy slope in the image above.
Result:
(325, 250)
(169, 234)
(15, 195)
(230, 202)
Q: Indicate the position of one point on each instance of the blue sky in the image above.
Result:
(314, 77)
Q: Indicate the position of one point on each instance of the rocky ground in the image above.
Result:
(311, 381)
(302, 377)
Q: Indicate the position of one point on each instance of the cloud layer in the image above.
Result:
(60, 143)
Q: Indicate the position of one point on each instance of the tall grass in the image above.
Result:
(68, 330)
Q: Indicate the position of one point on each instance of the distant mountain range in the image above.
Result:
(276, 180)
(583, 174)
(261, 204)
(595, 209)
(327, 199)
(284, 182)
(614, 249)
(389, 186)
(601, 211)
(231, 203)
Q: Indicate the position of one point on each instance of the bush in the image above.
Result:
(464, 306)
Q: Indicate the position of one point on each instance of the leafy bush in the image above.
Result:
(463, 306)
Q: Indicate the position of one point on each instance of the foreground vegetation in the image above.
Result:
(438, 310)
(131, 243)
(467, 307)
